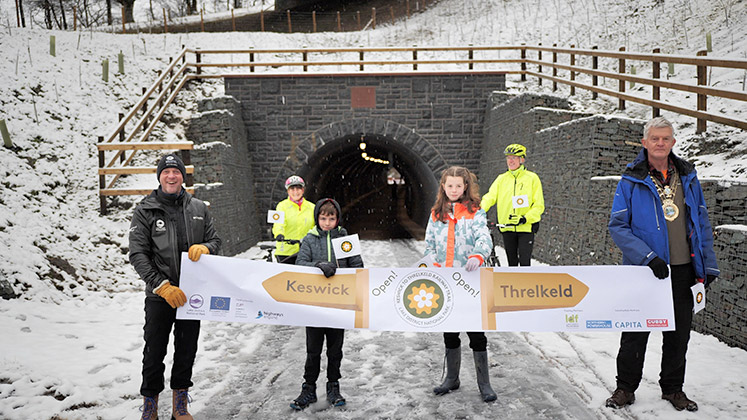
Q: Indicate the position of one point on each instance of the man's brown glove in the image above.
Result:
(172, 294)
(196, 250)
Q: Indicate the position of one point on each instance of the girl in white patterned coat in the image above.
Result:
(457, 236)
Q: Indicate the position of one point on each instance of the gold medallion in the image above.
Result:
(671, 211)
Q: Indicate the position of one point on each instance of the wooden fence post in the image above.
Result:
(251, 60)
(102, 179)
(656, 74)
(373, 18)
(233, 21)
(539, 66)
(391, 12)
(358, 17)
(145, 109)
(165, 22)
(621, 83)
(414, 57)
(121, 138)
(261, 20)
(339, 24)
(702, 97)
(407, 3)
(75, 18)
(290, 27)
(554, 69)
(594, 78)
(305, 58)
(573, 73)
(471, 56)
(124, 29)
(523, 63)
(198, 60)
(202, 21)
(313, 20)
(360, 56)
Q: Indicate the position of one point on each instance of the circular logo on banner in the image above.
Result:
(275, 216)
(699, 297)
(519, 201)
(346, 246)
(423, 299)
(196, 301)
(423, 265)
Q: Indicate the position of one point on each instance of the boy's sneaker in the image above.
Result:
(334, 397)
(680, 401)
(620, 398)
(307, 397)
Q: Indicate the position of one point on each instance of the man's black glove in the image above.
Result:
(710, 278)
(516, 220)
(328, 268)
(659, 267)
(280, 237)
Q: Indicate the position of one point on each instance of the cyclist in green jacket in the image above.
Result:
(299, 219)
(517, 196)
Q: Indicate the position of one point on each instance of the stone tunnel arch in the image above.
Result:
(330, 160)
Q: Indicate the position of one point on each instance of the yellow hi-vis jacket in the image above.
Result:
(507, 194)
(298, 221)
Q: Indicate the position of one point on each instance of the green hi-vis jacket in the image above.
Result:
(509, 192)
(298, 221)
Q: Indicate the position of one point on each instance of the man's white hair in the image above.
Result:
(658, 122)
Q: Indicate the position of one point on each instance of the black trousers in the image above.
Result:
(630, 358)
(159, 318)
(477, 340)
(314, 341)
(518, 247)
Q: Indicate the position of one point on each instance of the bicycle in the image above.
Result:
(493, 260)
(269, 248)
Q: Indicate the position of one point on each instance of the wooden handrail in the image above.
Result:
(176, 75)
(135, 170)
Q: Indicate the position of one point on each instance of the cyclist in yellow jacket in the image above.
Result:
(517, 195)
(299, 219)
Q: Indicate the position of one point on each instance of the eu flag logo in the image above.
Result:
(220, 303)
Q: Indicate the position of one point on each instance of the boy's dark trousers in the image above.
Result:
(314, 341)
(630, 358)
(159, 317)
(518, 246)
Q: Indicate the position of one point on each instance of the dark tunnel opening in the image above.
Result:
(387, 196)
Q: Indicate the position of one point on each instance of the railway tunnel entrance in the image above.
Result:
(385, 189)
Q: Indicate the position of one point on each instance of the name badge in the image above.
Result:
(520, 201)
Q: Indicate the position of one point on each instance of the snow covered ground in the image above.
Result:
(71, 345)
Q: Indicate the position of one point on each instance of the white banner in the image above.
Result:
(563, 298)
(520, 201)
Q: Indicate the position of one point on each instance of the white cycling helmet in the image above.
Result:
(294, 180)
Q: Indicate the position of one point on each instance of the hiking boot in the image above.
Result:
(620, 398)
(307, 397)
(680, 401)
(334, 397)
(149, 408)
(451, 382)
(180, 401)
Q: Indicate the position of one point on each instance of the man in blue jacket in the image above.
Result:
(659, 219)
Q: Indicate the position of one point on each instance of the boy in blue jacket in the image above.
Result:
(316, 251)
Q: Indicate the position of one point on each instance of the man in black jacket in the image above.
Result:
(166, 223)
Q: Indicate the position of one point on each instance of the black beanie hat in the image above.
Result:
(171, 161)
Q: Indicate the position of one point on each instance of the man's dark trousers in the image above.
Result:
(633, 344)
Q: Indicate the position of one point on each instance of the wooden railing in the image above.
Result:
(207, 64)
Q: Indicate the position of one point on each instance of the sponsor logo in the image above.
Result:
(628, 325)
(571, 321)
(196, 301)
(220, 303)
(160, 225)
(657, 323)
(596, 323)
(269, 315)
(422, 265)
(699, 298)
(519, 201)
(346, 246)
(275, 216)
(423, 298)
